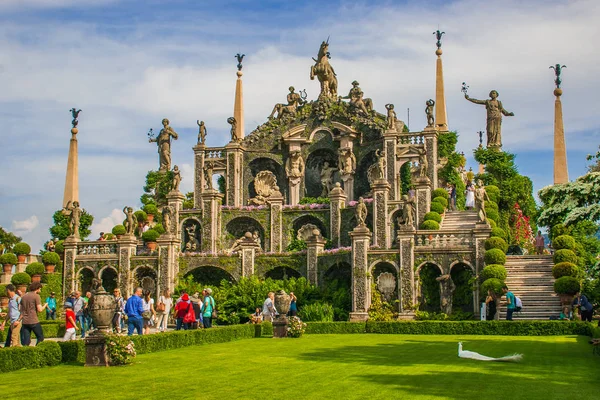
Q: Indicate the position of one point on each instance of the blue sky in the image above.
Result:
(130, 63)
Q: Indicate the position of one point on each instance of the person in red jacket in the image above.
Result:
(182, 308)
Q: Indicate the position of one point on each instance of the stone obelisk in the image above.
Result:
(238, 105)
(71, 193)
(441, 121)
(561, 171)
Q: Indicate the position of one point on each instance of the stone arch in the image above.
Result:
(109, 277)
(309, 219)
(146, 277)
(84, 278)
(314, 165)
(238, 226)
(461, 262)
(464, 297)
(210, 274)
(379, 267)
(281, 273)
(428, 288)
(361, 182)
(264, 164)
(191, 234)
(311, 136)
(337, 281)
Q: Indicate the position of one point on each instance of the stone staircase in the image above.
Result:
(459, 220)
(530, 278)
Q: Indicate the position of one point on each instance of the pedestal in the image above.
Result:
(199, 153)
(381, 191)
(248, 249)
(175, 201)
(406, 249)
(315, 246)
(294, 184)
(280, 325)
(431, 139)
(348, 180)
(361, 296)
(211, 220)
(337, 201)
(276, 219)
(168, 266)
(233, 178)
(423, 197)
(95, 350)
(70, 245)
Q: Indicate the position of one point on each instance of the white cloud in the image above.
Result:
(25, 226)
(106, 224)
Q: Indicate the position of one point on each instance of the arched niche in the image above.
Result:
(336, 286)
(191, 235)
(462, 274)
(84, 279)
(314, 165)
(361, 182)
(429, 288)
(237, 228)
(265, 164)
(309, 219)
(385, 277)
(209, 275)
(145, 277)
(110, 278)
(282, 273)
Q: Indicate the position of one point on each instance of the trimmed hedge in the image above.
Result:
(493, 215)
(118, 230)
(565, 255)
(335, 327)
(140, 216)
(437, 207)
(440, 193)
(496, 243)
(564, 242)
(51, 329)
(433, 216)
(73, 351)
(442, 200)
(493, 284)
(498, 232)
(493, 271)
(20, 278)
(430, 225)
(8, 258)
(567, 285)
(51, 258)
(565, 269)
(59, 247)
(22, 248)
(494, 256)
(493, 224)
(35, 268)
(150, 235)
(150, 209)
(15, 358)
(493, 192)
(505, 328)
(490, 205)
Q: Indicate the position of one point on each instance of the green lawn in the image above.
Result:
(363, 366)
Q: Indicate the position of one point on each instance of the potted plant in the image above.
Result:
(3, 297)
(8, 260)
(151, 210)
(566, 287)
(150, 237)
(21, 280)
(35, 270)
(22, 250)
(141, 217)
(50, 260)
(118, 231)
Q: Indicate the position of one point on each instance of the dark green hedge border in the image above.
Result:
(15, 358)
(51, 329)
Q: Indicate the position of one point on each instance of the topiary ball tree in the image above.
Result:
(433, 216)
(21, 278)
(59, 247)
(565, 269)
(562, 242)
(567, 285)
(51, 258)
(150, 209)
(492, 215)
(430, 225)
(442, 200)
(437, 207)
(440, 193)
(140, 216)
(493, 193)
(22, 249)
(118, 230)
(490, 205)
(565, 255)
(150, 235)
(496, 243)
(493, 284)
(159, 228)
(492, 223)
(494, 256)
(498, 232)
(493, 271)
(8, 258)
(35, 268)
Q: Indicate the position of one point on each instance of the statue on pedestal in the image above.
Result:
(75, 113)
(408, 212)
(480, 198)
(391, 116)
(347, 161)
(164, 144)
(234, 136)
(495, 110)
(167, 213)
(423, 163)
(208, 173)
(129, 222)
(74, 212)
(446, 290)
(294, 166)
(356, 99)
(327, 178)
(324, 72)
(429, 112)
(176, 178)
(201, 132)
(361, 212)
(192, 243)
(294, 100)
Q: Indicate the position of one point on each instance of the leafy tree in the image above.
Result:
(158, 185)
(596, 158)
(60, 229)
(7, 240)
(221, 184)
(189, 201)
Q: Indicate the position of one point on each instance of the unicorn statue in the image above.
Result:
(324, 72)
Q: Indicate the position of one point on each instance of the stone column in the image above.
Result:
(431, 138)
(337, 199)
(390, 140)
(406, 246)
(348, 180)
(72, 178)
(20, 267)
(423, 198)
(199, 152)
(70, 245)
(175, 201)
(361, 299)
(234, 178)
(248, 248)
(481, 232)
(561, 170)
(6, 277)
(276, 206)
(126, 248)
(168, 266)
(294, 184)
(211, 220)
(381, 191)
(315, 245)
(441, 122)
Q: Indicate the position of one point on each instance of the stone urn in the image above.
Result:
(151, 245)
(36, 278)
(102, 310)
(21, 258)
(282, 305)
(50, 269)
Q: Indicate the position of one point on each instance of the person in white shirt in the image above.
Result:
(269, 311)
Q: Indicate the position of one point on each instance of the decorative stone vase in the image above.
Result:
(36, 278)
(102, 310)
(282, 305)
(21, 258)
(151, 245)
(50, 269)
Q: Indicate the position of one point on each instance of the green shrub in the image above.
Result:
(3, 290)
(437, 207)
(492, 284)
(433, 216)
(35, 268)
(22, 248)
(315, 200)
(442, 200)
(51, 258)
(50, 328)
(150, 209)
(47, 353)
(496, 243)
(59, 247)
(505, 328)
(430, 225)
(567, 285)
(440, 193)
(494, 256)
(490, 205)
(266, 329)
(21, 278)
(109, 236)
(562, 242)
(493, 271)
(150, 235)
(159, 228)
(335, 327)
(492, 215)
(493, 193)
(565, 269)
(8, 258)
(118, 230)
(316, 312)
(73, 351)
(565, 255)
(498, 232)
(492, 223)
(140, 216)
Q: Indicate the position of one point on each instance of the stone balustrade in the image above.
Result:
(436, 239)
(214, 153)
(411, 138)
(96, 248)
